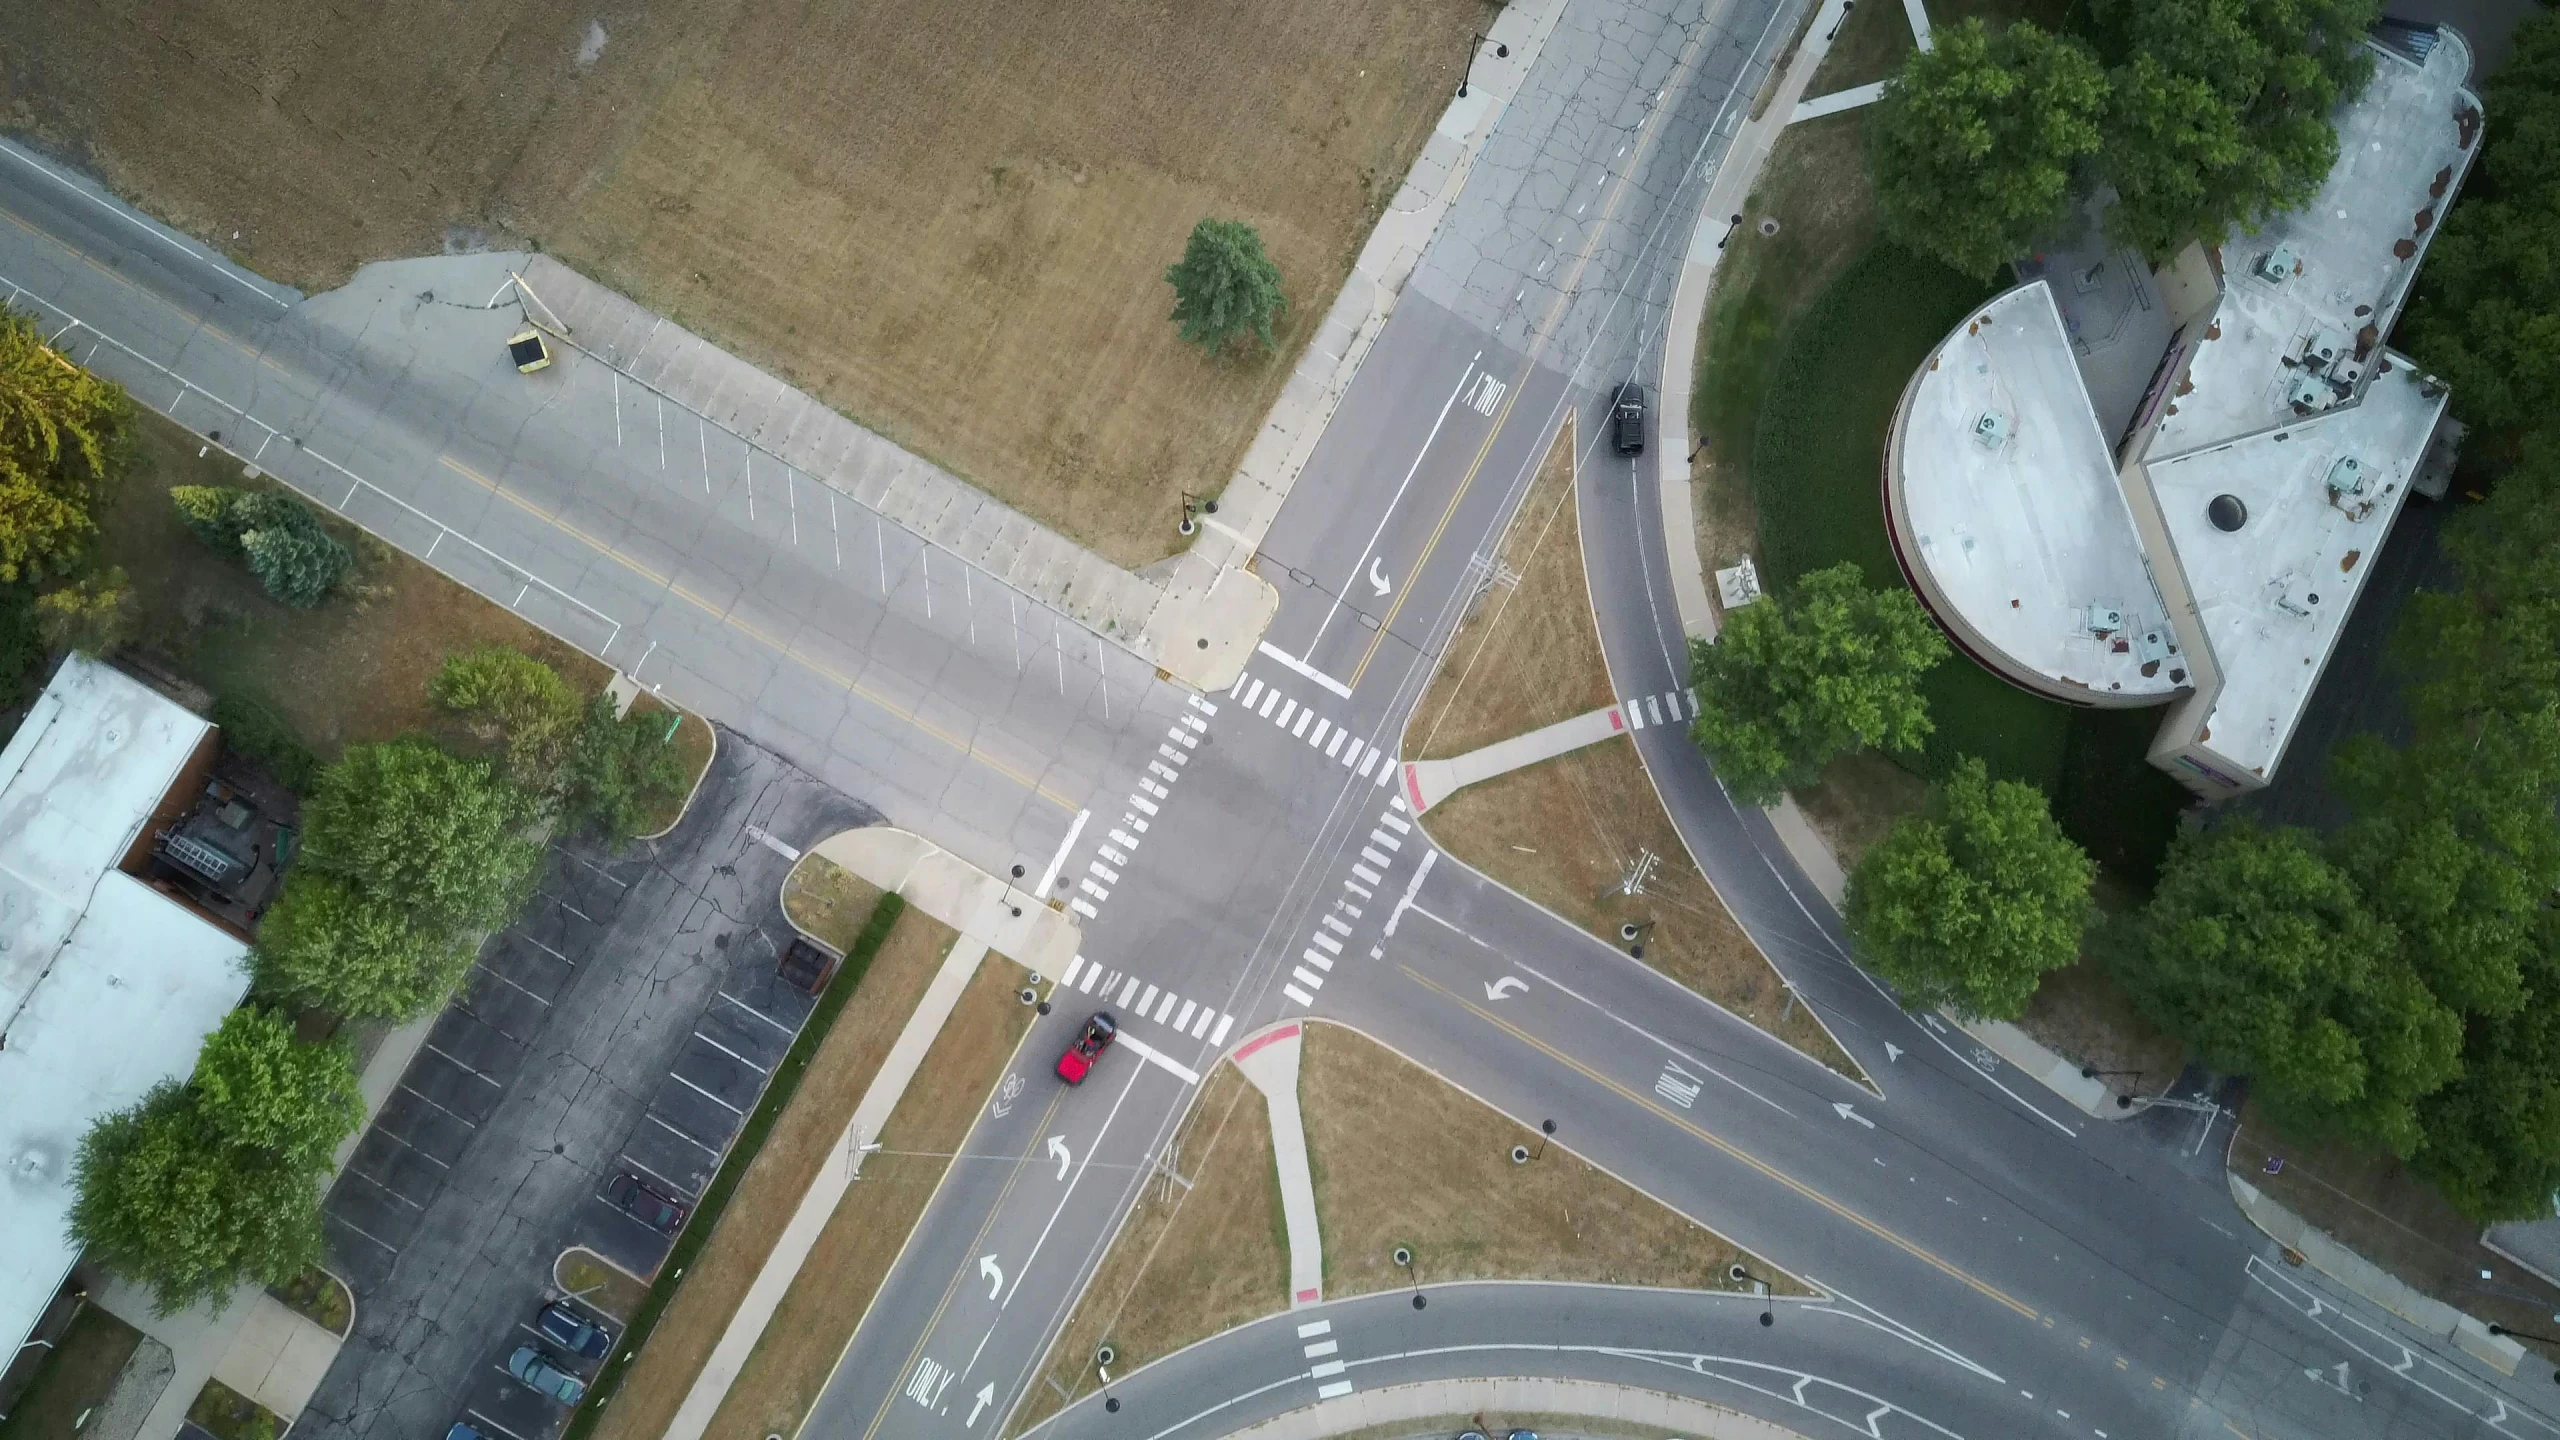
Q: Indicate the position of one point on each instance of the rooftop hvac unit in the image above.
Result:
(2309, 392)
(1991, 429)
(2326, 348)
(2346, 477)
(208, 860)
(2102, 619)
(2151, 645)
(2278, 264)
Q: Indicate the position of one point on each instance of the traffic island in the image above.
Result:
(1414, 1185)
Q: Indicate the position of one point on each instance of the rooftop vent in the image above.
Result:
(2103, 619)
(2326, 347)
(2308, 393)
(2346, 477)
(2227, 512)
(1991, 429)
(2278, 264)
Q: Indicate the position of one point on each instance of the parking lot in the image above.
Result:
(622, 1027)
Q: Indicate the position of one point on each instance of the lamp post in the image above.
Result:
(1500, 52)
(1768, 1317)
(1845, 7)
(1546, 1132)
(1735, 224)
(1403, 1257)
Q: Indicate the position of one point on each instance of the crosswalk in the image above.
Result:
(1379, 853)
(1155, 786)
(1321, 734)
(1671, 707)
(1136, 999)
(1323, 1366)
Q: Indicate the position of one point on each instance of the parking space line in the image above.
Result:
(456, 1115)
(652, 1174)
(590, 864)
(403, 1142)
(468, 1068)
(347, 1224)
(385, 1189)
(492, 1424)
(547, 950)
(705, 1094)
(510, 984)
(750, 1009)
(732, 1054)
(679, 1134)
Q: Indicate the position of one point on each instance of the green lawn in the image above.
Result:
(75, 1377)
(1816, 465)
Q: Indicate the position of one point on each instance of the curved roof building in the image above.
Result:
(2126, 487)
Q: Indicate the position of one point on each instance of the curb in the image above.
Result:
(2305, 1243)
(1521, 1396)
(696, 792)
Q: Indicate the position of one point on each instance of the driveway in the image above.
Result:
(624, 1024)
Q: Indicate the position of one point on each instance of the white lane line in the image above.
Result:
(705, 1039)
(1360, 562)
(750, 1009)
(1313, 1328)
(1154, 1056)
(1303, 668)
(1412, 888)
(1220, 1038)
(705, 1094)
(1294, 993)
(1058, 861)
(1075, 966)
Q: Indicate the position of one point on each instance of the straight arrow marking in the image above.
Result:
(986, 1396)
(1850, 1113)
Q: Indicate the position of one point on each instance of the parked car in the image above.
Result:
(1626, 420)
(806, 967)
(646, 1203)
(573, 1332)
(538, 1374)
(1096, 1037)
(462, 1430)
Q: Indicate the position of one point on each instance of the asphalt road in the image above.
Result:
(2016, 1268)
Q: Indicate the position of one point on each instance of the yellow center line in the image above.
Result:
(1909, 1247)
(1565, 296)
(781, 647)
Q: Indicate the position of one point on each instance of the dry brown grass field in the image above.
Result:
(949, 221)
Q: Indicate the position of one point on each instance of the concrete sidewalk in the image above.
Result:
(1270, 1061)
(1428, 782)
(1654, 1411)
(2361, 1276)
(982, 908)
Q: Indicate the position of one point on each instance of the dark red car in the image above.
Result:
(1096, 1037)
(645, 1203)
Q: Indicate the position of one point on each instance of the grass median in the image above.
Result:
(1400, 1158)
(715, 1258)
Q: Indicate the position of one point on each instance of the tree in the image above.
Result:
(1974, 146)
(2492, 646)
(430, 835)
(2266, 958)
(93, 614)
(1225, 286)
(2487, 313)
(2220, 110)
(621, 771)
(511, 698)
(2493, 1135)
(277, 536)
(161, 1199)
(1823, 667)
(1969, 904)
(329, 943)
(66, 437)
(259, 1088)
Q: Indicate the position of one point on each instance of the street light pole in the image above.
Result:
(1500, 52)
(1546, 1132)
(1768, 1317)
(1728, 231)
(1845, 7)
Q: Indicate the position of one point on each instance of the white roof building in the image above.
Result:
(2127, 488)
(107, 986)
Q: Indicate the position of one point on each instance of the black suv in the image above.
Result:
(1626, 419)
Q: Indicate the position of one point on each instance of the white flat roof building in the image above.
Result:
(107, 986)
(2204, 550)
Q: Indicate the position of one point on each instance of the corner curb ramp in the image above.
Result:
(1396, 1404)
(2362, 1277)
